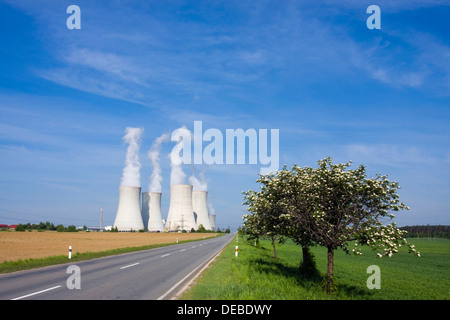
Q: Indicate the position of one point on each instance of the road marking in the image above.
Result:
(165, 255)
(35, 293)
(130, 265)
(194, 246)
(182, 250)
(205, 263)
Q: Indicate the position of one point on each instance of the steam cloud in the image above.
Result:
(211, 209)
(153, 154)
(198, 184)
(131, 173)
(177, 176)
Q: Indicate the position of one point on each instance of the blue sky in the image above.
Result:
(311, 69)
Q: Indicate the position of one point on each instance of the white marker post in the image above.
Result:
(70, 252)
(236, 254)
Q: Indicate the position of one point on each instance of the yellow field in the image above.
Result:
(24, 245)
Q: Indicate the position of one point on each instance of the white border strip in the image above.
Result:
(207, 261)
(130, 265)
(35, 293)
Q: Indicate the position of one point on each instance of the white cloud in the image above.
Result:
(392, 155)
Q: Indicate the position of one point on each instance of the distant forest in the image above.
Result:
(427, 231)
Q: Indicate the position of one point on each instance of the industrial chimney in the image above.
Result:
(181, 213)
(155, 223)
(201, 209)
(128, 215)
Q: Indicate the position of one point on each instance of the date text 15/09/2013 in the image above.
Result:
(233, 309)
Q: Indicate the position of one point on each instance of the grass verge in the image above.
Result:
(255, 275)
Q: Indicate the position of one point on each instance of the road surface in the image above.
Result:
(151, 274)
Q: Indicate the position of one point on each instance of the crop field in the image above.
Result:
(31, 245)
(256, 275)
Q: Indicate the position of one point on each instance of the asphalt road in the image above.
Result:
(152, 274)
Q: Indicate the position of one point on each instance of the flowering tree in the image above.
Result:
(332, 206)
(273, 209)
(266, 218)
(345, 206)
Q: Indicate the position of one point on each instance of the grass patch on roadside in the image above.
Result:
(18, 265)
(255, 275)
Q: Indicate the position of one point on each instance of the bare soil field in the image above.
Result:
(25, 245)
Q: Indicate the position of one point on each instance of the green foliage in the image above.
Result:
(439, 231)
(41, 226)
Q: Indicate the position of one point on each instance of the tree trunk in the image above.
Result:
(274, 250)
(330, 271)
(306, 257)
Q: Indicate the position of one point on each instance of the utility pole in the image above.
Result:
(101, 216)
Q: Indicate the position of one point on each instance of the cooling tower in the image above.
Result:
(128, 215)
(201, 209)
(155, 222)
(212, 221)
(181, 213)
(145, 211)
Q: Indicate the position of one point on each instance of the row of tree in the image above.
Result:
(45, 226)
(439, 231)
(331, 206)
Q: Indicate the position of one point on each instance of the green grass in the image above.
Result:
(254, 274)
(18, 265)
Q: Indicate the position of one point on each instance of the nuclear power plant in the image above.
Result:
(187, 210)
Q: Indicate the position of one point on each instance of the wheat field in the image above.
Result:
(25, 245)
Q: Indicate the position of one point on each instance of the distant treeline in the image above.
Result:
(428, 231)
(45, 226)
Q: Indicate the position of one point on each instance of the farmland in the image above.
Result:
(16, 246)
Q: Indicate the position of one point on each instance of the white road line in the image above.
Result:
(35, 293)
(130, 265)
(204, 264)
(165, 255)
(194, 246)
(182, 250)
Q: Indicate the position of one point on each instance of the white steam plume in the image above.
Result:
(183, 138)
(131, 173)
(198, 184)
(211, 209)
(153, 154)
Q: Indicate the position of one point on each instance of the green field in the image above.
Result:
(254, 274)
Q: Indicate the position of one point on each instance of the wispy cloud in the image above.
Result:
(393, 155)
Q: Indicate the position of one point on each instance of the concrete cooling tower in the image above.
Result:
(155, 223)
(212, 220)
(128, 215)
(201, 209)
(145, 211)
(181, 213)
